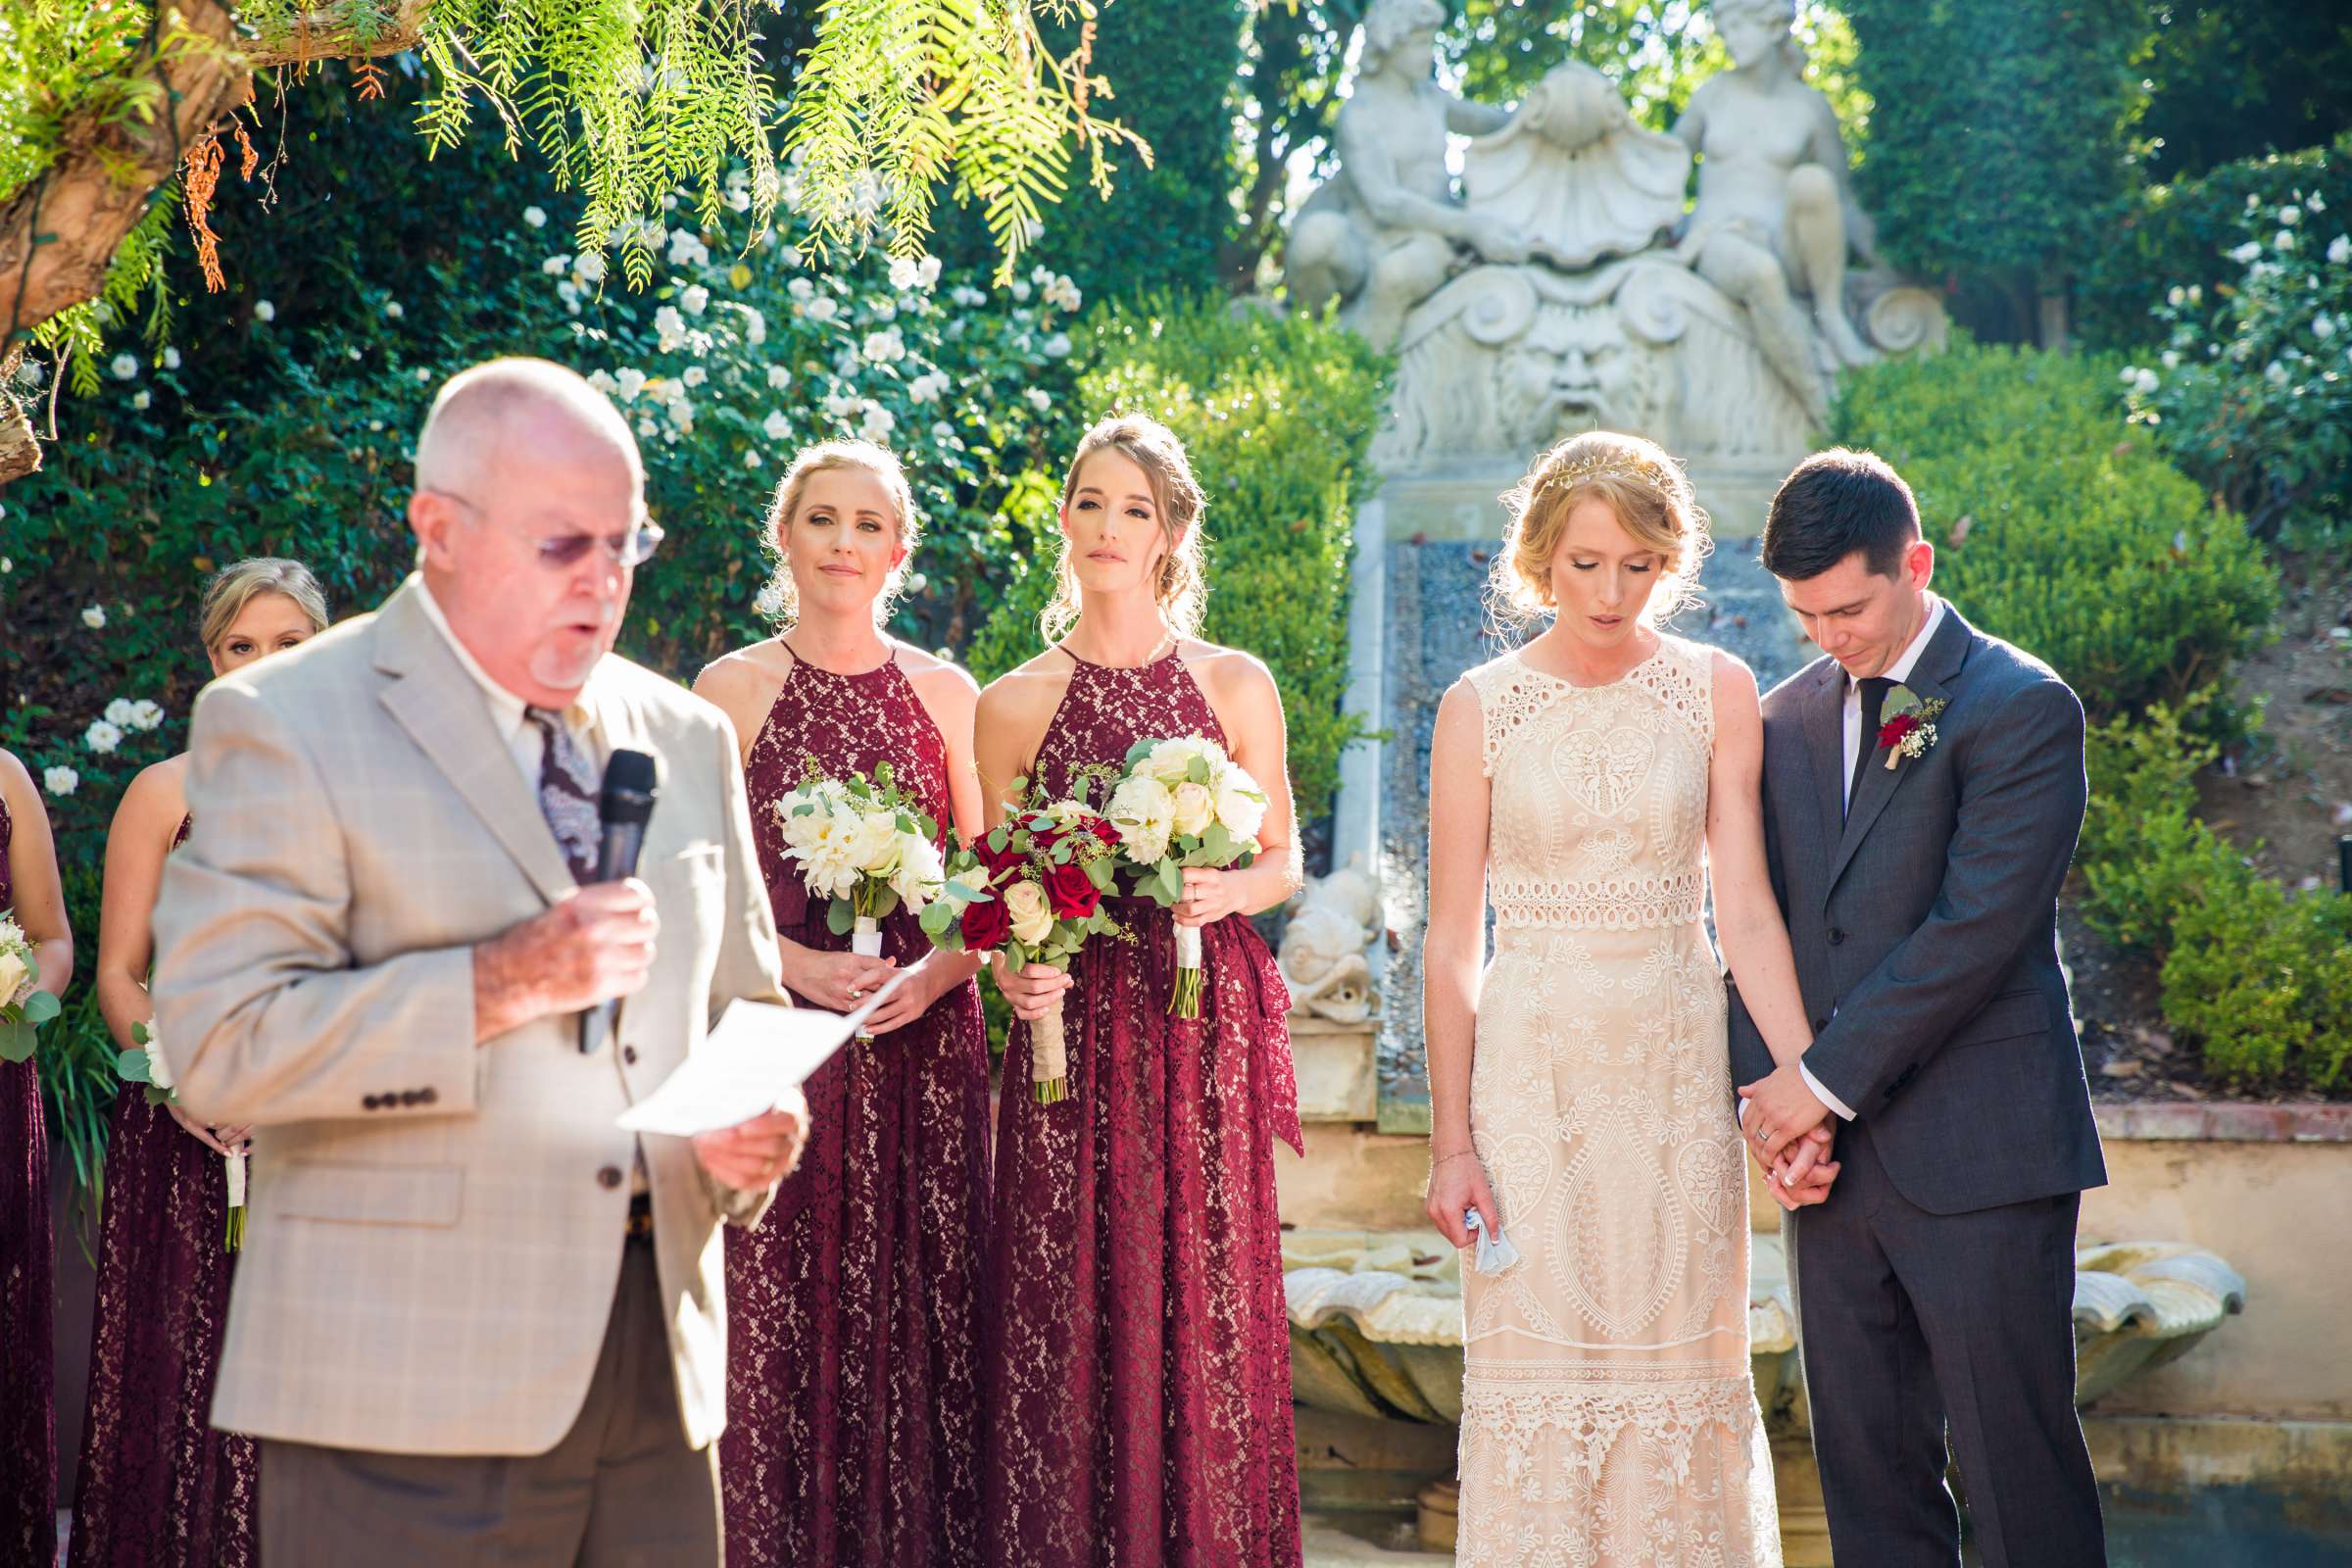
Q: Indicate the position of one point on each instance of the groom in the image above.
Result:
(1922, 790)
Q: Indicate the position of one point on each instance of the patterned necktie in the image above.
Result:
(567, 791)
(1874, 699)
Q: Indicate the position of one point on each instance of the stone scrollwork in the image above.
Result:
(1331, 922)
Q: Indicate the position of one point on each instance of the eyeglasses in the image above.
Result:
(565, 551)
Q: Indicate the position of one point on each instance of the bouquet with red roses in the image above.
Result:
(1033, 889)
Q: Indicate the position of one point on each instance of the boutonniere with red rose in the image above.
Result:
(1907, 725)
(1033, 888)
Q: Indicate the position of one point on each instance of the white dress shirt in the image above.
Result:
(1899, 671)
(508, 713)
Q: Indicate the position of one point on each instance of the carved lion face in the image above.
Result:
(1577, 369)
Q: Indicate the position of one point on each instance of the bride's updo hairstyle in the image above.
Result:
(1640, 484)
(780, 599)
(1181, 589)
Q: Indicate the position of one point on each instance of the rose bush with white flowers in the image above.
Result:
(2252, 392)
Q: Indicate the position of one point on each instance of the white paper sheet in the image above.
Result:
(754, 1055)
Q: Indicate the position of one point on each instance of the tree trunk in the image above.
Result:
(58, 236)
(2051, 322)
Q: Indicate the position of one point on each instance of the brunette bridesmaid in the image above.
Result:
(159, 1487)
(854, 1307)
(1138, 1383)
(31, 895)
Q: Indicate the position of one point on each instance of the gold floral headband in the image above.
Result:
(1614, 464)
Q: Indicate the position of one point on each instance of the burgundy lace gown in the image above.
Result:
(854, 1308)
(28, 1413)
(1138, 1379)
(159, 1487)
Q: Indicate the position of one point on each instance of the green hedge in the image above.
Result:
(2061, 528)
(2165, 236)
(1278, 414)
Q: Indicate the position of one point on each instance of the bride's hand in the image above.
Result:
(1457, 1182)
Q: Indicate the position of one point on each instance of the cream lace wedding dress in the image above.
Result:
(1608, 1416)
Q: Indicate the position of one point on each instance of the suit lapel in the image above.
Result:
(442, 710)
(1823, 718)
(1938, 662)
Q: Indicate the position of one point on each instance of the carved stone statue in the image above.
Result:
(1776, 213)
(1566, 290)
(1331, 922)
(1385, 230)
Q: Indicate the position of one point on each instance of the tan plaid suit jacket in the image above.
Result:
(437, 1228)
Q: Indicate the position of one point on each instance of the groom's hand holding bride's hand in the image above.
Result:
(1803, 1176)
(1788, 1132)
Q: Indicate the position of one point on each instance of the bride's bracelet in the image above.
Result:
(1465, 1153)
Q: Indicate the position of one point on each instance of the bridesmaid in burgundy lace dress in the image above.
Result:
(29, 890)
(854, 1309)
(159, 1487)
(1138, 1381)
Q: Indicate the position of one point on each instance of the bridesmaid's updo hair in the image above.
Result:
(240, 582)
(1182, 589)
(1641, 484)
(780, 599)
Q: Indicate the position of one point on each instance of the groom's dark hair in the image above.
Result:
(1835, 503)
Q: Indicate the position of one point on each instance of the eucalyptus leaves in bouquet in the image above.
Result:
(1034, 889)
(23, 1006)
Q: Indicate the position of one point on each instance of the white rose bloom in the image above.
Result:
(145, 715)
(555, 266)
(5, 565)
(101, 736)
(2290, 215)
(775, 427)
(903, 270)
(61, 780)
(822, 308)
(2176, 296)
(1241, 804)
(630, 383)
(779, 377)
(1038, 399)
(2322, 326)
(926, 273)
(926, 387)
(1057, 347)
(801, 289)
(140, 399)
(670, 327)
(536, 216)
(884, 347)
(394, 310)
(750, 459)
(170, 358)
(2246, 253)
(124, 366)
(695, 376)
(1062, 294)
(2172, 359)
(686, 249)
(919, 871)
(1032, 915)
(829, 871)
(942, 430)
(603, 382)
(264, 310)
(879, 422)
(796, 828)
(1143, 810)
(2145, 382)
(569, 293)
(1020, 288)
(94, 617)
(2339, 250)
(12, 978)
(1196, 809)
(1171, 760)
(874, 846)
(117, 712)
(840, 405)
(2283, 240)
(159, 1071)
(589, 268)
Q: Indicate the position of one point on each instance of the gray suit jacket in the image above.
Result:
(1924, 926)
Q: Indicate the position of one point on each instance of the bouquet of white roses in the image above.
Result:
(145, 1065)
(1182, 803)
(1034, 887)
(23, 1006)
(864, 846)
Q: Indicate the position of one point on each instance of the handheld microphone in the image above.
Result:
(626, 806)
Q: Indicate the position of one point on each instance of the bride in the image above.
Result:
(1580, 1086)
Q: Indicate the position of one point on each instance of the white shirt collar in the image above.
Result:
(507, 710)
(1900, 670)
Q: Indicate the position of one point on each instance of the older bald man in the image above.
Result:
(475, 1322)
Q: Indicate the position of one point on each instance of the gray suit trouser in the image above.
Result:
(620, 1490)
(1917, 1324)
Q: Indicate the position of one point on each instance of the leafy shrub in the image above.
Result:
(2060, 528)
(1278, 416)
(2253, 391)
(2163, 237)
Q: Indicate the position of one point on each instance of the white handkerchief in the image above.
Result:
(756, 1054)
(1494, 1252)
